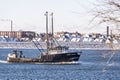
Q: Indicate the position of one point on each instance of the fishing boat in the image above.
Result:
(55, 53)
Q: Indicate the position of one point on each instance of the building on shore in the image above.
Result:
(18, 34)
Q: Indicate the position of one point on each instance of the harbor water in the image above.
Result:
(93, 65)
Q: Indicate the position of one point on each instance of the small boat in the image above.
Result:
(53, 54)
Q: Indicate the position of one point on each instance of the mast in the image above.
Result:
(52, 33)
(46, 14)
(52, 24)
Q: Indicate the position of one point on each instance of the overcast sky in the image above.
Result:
(69, 15)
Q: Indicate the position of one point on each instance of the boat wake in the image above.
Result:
(3, 61)
(86, 63)
(73, 62)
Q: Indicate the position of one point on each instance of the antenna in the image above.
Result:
(11, 27)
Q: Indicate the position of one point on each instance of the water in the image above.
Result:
(91, 67)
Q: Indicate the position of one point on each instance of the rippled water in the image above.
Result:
(92, 63)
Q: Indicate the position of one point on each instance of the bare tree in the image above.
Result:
(108, 11)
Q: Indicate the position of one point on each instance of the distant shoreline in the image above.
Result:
(71, 45)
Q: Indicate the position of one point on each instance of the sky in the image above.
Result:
(28, 15)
